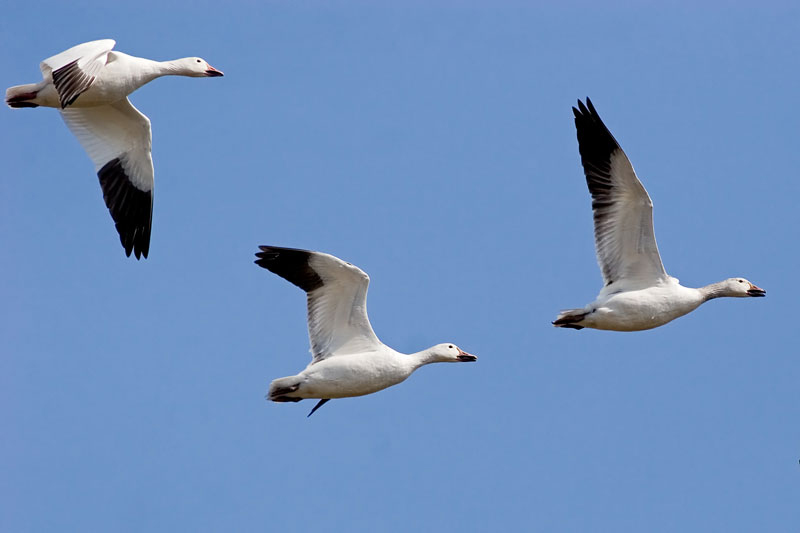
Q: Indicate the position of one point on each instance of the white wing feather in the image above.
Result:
(625, 241)
(337, 311)
(75, 70)
(111, 131)
(84, 53)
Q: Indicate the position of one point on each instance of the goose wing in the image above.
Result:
(73, 71)
(117, 138)
(337, 299)
(623, 212)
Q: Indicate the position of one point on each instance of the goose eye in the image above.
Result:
(451, 346)
(198, 60)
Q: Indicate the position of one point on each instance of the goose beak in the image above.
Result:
(213, 73)
(756, 291)
(464, 356)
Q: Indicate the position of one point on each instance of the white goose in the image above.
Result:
(347, 359)
(638, 294)
(89, 84)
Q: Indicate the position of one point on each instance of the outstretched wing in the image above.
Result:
(117, 138)
(73, 71)
(337, 299)
(623, 213)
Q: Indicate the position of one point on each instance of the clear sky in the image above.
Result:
(433, 146)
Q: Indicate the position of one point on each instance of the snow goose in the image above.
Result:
(347, 359)
(638, 293)
(89, 84)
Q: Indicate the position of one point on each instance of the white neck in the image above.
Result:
(147, 70)
(715, 290)
(422, 358)
(166, 68)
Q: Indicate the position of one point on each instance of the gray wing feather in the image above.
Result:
(336, 295)
(625, 241)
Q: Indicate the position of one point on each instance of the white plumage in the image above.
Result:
(638, 293)
(89, 84)
(347, 359)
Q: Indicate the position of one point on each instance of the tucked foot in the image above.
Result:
(277, 392)
(320, 404)
(570, 318)
(283, 399)
(20, 100)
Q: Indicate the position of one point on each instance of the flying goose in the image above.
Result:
(347, 359)
(89, 84)
(638, 293)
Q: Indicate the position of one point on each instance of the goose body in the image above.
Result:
(638, 293)
(353, 374)
(643, 308)
(89, 84)
(347, 357)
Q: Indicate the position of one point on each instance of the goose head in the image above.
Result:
(449, 353)
(741, 288)
(196, 67)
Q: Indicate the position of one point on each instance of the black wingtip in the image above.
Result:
(584, 109)
(138, 253)
(587, 111)
(291, 264)
(593, 134)
(130, 207)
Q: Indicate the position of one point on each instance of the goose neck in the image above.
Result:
(715, 290)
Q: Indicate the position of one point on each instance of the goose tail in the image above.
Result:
(22, 95)
(570, 318)
(282, 389)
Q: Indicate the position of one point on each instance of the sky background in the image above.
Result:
(433, 146)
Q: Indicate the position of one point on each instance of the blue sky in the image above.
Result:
(434, 147)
